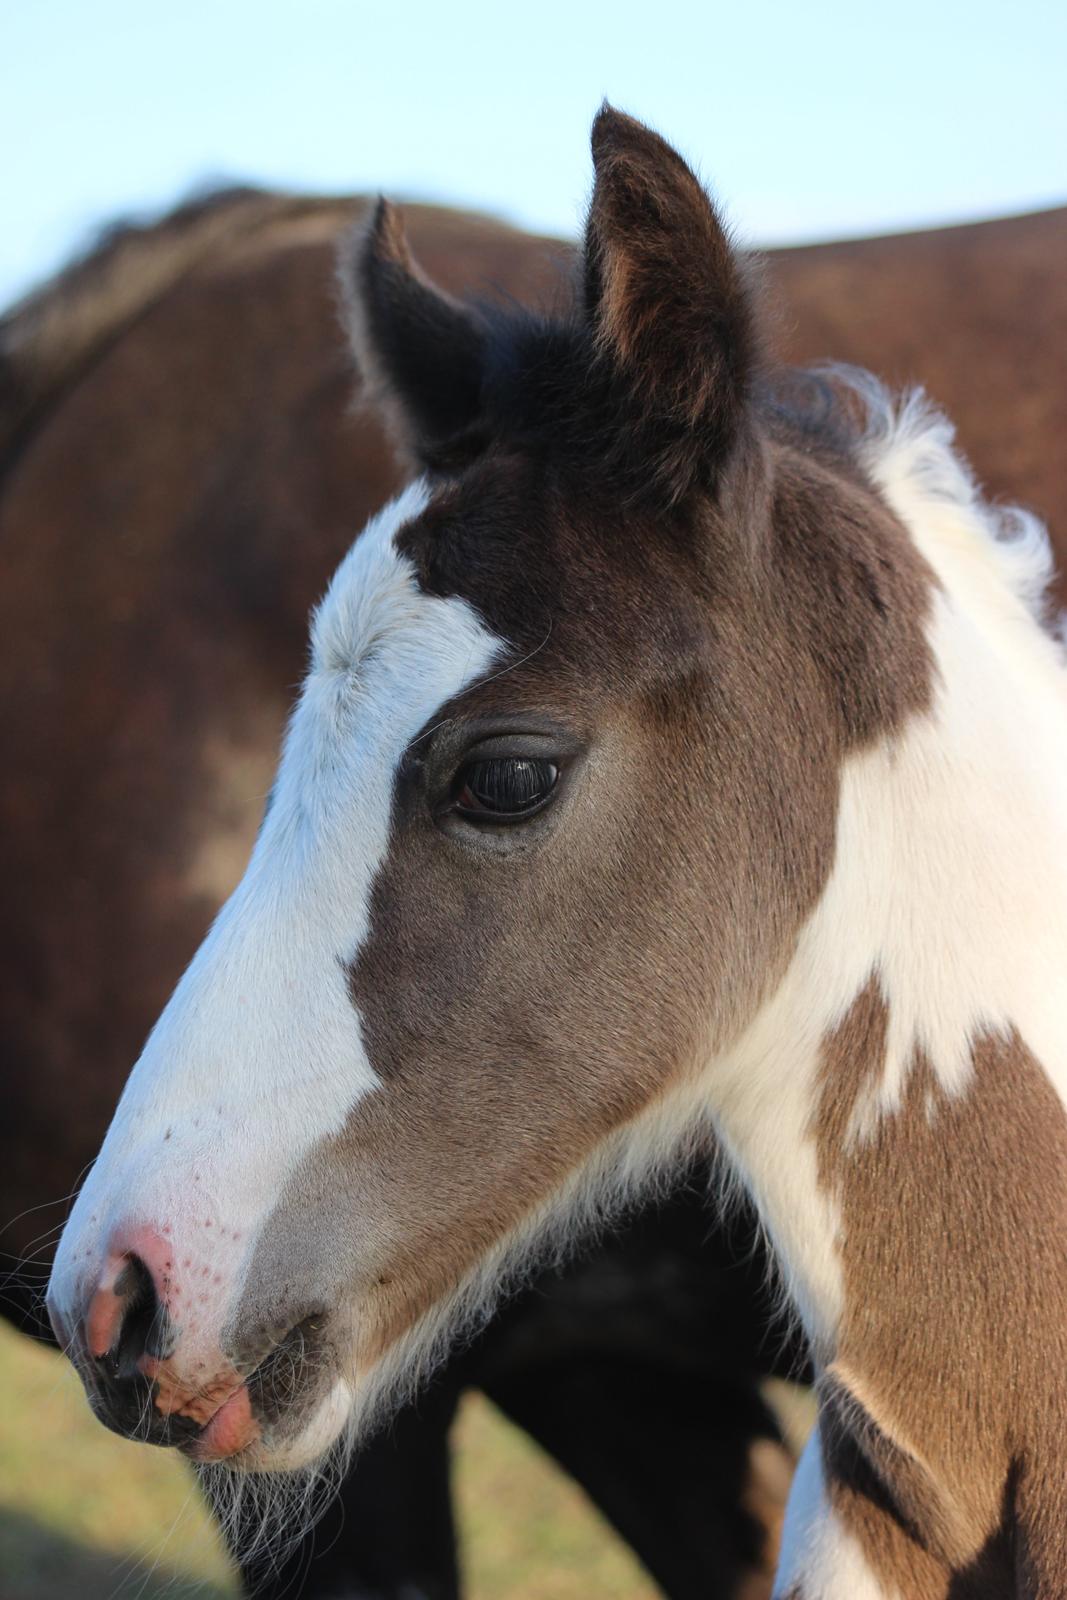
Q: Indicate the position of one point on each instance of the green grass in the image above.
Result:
(87, 1516)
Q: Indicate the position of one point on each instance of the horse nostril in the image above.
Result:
(140, 1317)
(124, 1316)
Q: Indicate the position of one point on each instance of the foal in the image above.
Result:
(682, 747)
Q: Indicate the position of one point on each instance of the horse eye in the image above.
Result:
(504, 789)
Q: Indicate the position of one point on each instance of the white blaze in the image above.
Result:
(259, 1054)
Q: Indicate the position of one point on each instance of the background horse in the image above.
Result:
(180, 477)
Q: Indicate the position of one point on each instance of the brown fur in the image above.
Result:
(947, 1455)
(740, 648)
(50, 340)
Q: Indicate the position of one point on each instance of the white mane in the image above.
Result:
(908, 447)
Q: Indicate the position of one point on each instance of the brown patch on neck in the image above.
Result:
(944, 1417)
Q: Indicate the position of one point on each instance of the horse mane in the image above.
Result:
(908, 447)
(55, 334)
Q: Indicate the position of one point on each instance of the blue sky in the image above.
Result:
(808, 119)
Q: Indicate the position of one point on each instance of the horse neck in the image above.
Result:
(941, 933)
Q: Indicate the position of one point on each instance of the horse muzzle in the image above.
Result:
(137, 1330)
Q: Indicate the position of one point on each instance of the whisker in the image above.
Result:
(45, 1205)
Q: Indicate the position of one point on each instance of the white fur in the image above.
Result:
(950, 876)
(949, 886)
(908, 449)
(819, 1556)
(259, 1054)
(961, 826)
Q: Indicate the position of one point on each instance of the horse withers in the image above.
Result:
(682, 748)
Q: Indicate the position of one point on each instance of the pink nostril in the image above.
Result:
(106, 1309)
(136, 1275)
(148, 1245)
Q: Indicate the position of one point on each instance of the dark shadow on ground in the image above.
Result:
(36, 1563)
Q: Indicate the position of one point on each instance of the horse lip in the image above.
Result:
(231, 1427)
(238, 1420)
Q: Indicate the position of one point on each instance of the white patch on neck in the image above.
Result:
(950, 876)
(763, 1092)
(820, 1559)
(949, 882)
(259, 1054)
(961, 824)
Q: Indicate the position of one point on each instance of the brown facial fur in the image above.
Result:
(936, 1446)
(664, 879)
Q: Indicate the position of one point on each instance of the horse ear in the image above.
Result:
(667, 300)
(419, 351)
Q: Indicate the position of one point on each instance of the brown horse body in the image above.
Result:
(182, 477)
